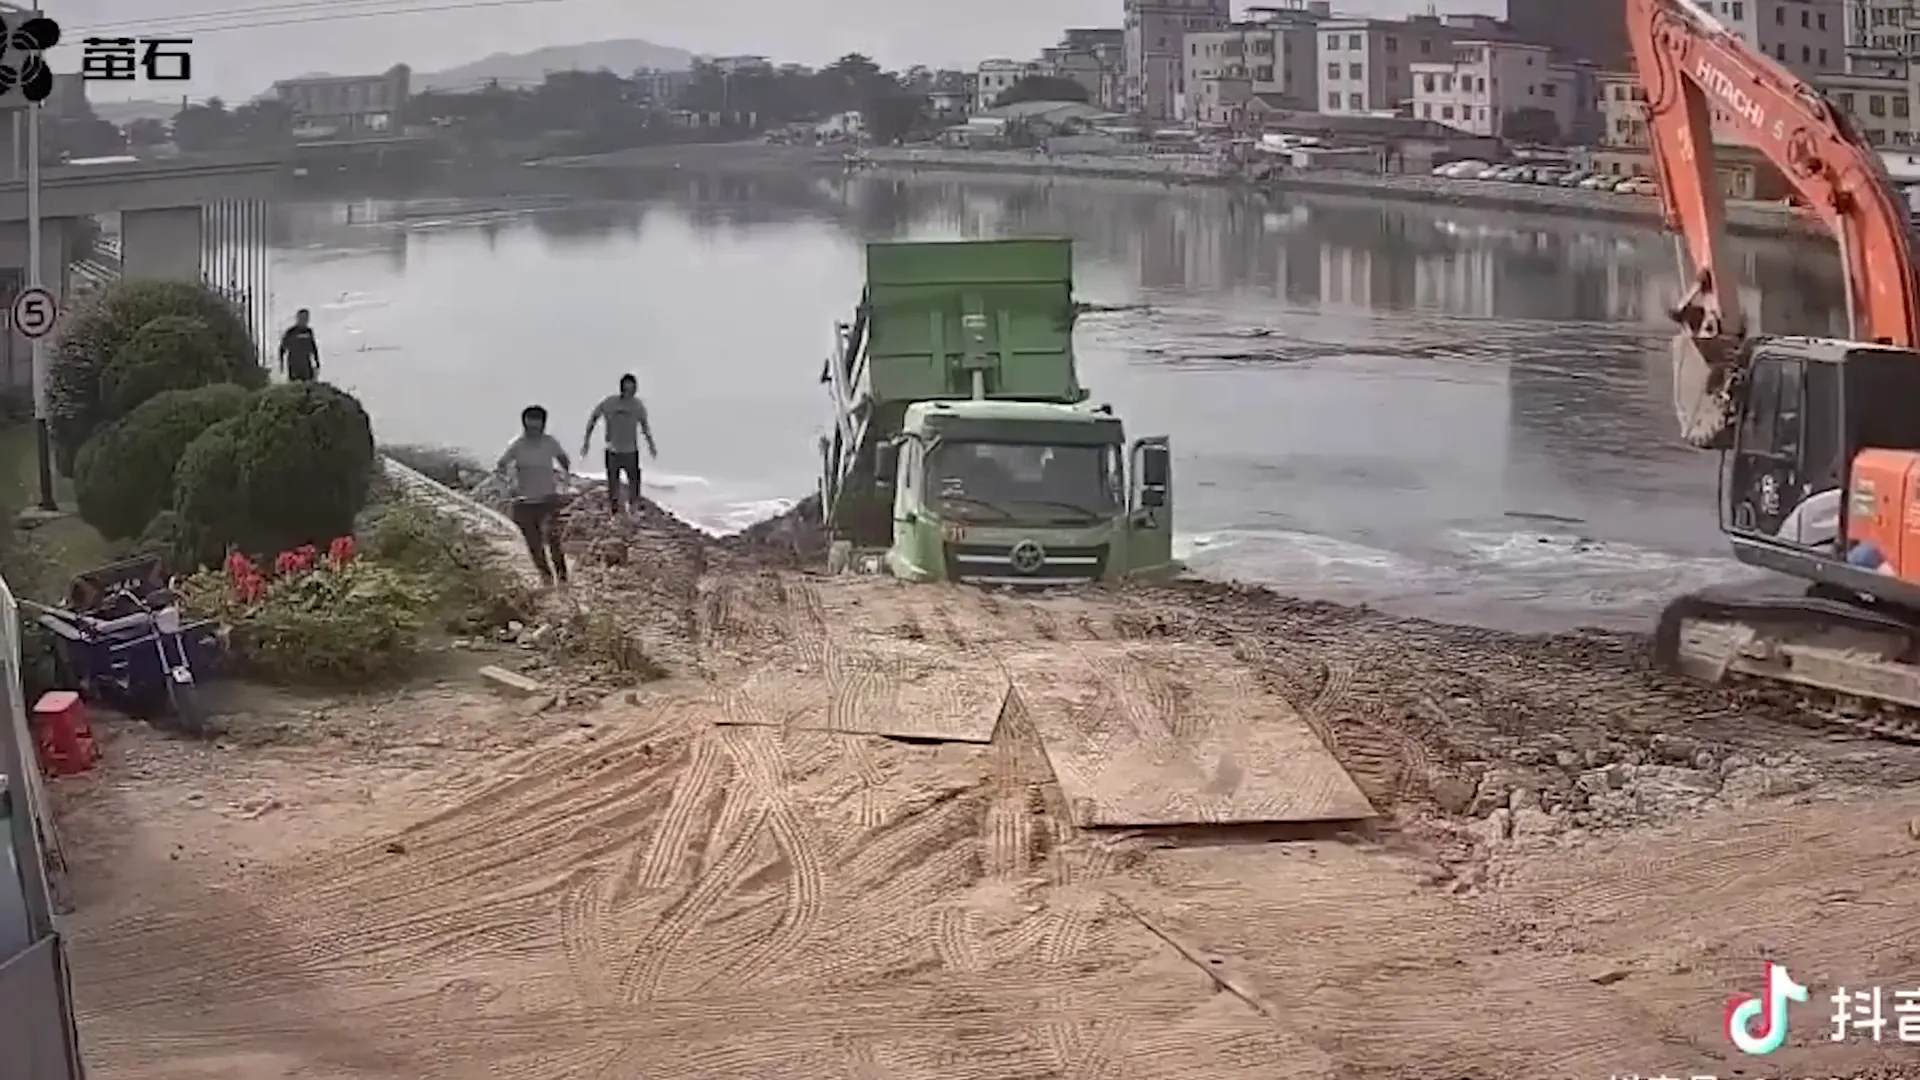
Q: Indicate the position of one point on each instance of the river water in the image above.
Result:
(1451, 413)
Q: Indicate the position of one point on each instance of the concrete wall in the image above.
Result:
(16, 367)
(161, 243)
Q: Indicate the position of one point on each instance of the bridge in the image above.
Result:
(203, 218)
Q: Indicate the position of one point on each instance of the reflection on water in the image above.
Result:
(1456, 412)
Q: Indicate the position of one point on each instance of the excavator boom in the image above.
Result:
(1700, 80)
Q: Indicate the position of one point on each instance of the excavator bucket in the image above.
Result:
(1704, 369)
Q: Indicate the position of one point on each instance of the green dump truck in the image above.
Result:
(963, 444)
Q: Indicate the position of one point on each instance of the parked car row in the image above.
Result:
(1547, 176)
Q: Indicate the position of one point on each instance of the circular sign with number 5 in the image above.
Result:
(34, 312)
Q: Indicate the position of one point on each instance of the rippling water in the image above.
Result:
(1457, 414)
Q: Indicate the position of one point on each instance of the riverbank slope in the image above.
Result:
(1750, 218)
(865, 826)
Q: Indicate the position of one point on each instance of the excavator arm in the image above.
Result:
(1692, 67)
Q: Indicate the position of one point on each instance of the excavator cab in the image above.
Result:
(1820, 419)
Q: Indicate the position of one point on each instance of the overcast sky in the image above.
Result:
(245, 59)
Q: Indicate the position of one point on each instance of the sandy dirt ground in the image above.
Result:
(1575, 864)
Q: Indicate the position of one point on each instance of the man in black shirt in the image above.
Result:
(300, 350)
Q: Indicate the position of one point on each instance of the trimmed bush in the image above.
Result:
(173, 352)
(208, 509)
(293, 468)
(123, 476)
(98, 330)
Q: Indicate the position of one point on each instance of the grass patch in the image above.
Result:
(472, 593)
(41, 560)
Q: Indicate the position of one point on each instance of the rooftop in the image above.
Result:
(1055, 111)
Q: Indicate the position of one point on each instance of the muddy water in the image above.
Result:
(1450, 413)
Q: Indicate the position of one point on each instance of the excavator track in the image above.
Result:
(1847, 665)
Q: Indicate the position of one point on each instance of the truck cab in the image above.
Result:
(964, 447)
(1026, 494)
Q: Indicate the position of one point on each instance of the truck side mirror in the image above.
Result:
(1156, 468)
(1153, 498)
(886, 462)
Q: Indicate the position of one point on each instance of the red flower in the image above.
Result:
(239, 567)
(249, 587)
(341, 551)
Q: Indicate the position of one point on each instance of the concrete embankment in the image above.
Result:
(1758, 219)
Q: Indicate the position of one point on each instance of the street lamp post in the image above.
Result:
(42, 434)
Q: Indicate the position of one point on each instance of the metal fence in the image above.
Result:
(235, 255)
(37, 1028)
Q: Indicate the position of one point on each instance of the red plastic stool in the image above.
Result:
(62, 734)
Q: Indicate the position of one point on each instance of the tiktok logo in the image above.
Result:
(1758, 1025)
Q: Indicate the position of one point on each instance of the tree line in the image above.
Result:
(586, 111)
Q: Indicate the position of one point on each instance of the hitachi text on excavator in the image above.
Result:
(1819, 438)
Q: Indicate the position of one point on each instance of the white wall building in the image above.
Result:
(1808, 36)
(1155, 43)
(1366, 64)
(1885, 25)
(1275, 56)
(996, 77)
(1484, 83)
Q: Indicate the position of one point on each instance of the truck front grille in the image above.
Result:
(997, 564)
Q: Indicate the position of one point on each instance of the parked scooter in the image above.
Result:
(141, 663)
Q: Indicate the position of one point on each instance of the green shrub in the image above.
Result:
(123, 476)
(173, 352)
(471, 590)
(105, 324)
(293, 468)
(168, 538)
(337, 622)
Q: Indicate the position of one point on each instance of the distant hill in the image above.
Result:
(623, 57)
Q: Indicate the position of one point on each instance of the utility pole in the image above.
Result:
(42, 434)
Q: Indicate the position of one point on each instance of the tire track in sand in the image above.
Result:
(1007, 835)
(955, 932)
(756, 756)
(586, 908)
(873, 805)
(643, 975)
(1390, 766)
(449, 886)
(672, 840)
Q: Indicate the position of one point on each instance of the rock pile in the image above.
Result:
(1541, 794)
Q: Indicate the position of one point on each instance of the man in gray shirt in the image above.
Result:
(626, 417)
(533, 464)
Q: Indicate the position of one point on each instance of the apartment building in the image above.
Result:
(1365, 65)
(1155, 44)
(1273, 55)
(1891, 26)
(1807, 36)
(1880, 93)
(1623, 111)
(1094, 58)
(1498, 88)
(348, 103)
(996, 77)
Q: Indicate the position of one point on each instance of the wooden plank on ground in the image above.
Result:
(1146, 734)
(897, 688)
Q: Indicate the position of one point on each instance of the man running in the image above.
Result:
(300, 350)
(626, 417)
(533, 464)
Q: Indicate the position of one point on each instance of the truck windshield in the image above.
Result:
(1025, 482)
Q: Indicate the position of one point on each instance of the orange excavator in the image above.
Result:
(1819, 438)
